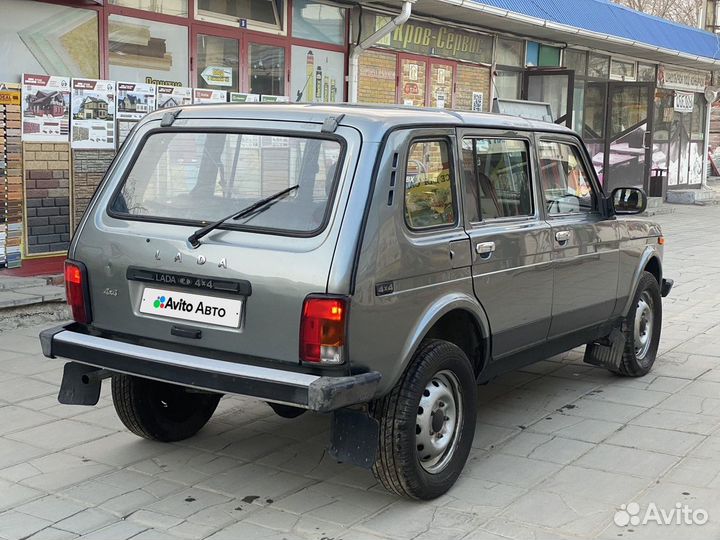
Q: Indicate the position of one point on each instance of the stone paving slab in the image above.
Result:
(560, 447)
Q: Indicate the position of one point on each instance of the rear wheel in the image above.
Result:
(642, 329)
(427, 423)
(161, 411)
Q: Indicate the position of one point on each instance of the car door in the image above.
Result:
(511, 243)
(585, 243)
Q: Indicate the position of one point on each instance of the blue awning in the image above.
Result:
(604, 17)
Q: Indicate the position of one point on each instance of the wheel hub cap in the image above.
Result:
(438, 421)
(643, 326)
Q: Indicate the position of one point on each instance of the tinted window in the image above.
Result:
(498, 177)
(429, 199)
(202, 177)
(564, 179)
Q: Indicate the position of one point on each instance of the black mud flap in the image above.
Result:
(80, 385)
(354, 437)
(606, 352)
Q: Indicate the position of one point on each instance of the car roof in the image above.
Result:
(373, 121)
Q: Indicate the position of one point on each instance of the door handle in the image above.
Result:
(562, 236)
(485, 248)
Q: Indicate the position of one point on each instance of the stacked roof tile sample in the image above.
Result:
(11, 190)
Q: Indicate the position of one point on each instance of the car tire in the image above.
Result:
(437, 395)
(642, 328)
(161, 411)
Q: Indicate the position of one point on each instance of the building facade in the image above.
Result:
(632, 85)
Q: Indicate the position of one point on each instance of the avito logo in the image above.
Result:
(182, 305)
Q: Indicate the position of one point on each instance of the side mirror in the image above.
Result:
(629, 200)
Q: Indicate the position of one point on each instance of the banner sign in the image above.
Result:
(173, 96)
(201, 95)
(10, 93)
(218, 75)
(239, 97)
(681, 79)
(684, 102)
(430, 39)
(46, 108)
(134, 100)
(93, 114)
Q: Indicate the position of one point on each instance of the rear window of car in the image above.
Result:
(195, 177)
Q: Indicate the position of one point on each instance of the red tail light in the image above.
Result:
(322, 330)
(76, 290)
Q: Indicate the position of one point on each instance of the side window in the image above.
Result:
(498, 178)
(429, 196)
(564, 179)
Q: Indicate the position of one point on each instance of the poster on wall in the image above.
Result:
(240, 97)
(173, 96)
(45, 108)
(134, 100)
(316, 76)
(147, 51)
(478, 101)
(93, 114)
(201, 95)
(37, 37)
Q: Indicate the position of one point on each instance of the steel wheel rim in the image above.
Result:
(439, 419)
(643, 325)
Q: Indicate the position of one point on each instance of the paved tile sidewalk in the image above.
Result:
(560, 446)
(23, 291)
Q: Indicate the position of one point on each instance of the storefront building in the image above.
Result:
(633, 86)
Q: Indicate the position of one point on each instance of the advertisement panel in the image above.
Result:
(173, 96)
(45, 108)
(93, 114)
(201, 95)
(316, 76)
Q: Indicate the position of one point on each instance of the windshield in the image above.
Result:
(202, 177)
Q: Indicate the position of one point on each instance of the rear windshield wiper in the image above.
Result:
(258, 206)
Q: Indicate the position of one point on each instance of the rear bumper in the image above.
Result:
(666, 286)
(302, 390)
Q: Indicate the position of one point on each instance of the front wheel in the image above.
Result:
(427, 423)
(642, 329)
(161, 411)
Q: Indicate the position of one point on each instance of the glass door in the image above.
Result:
(217, 64)
(553, 86)
(413, 78)
(628, 148)
(442, 84)
(267, 73)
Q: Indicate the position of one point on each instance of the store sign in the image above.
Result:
(431, 40)
(9, 94)
(218, 75)
(684, 102)
(681, 79)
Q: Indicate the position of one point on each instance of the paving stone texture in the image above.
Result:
(560, 447)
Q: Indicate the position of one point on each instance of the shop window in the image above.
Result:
(646, 72)
(266, 13)
(412, 82)
(697, 122)
(628, 108)
(565, 182)
(147, 51)
(217, 63)
(318, 22)
(47, 39)
(576, 60)
(539, 55)
(509, 52)
(179, 8)
(578, 112)
(594, 103)
(507, 84)
(429, 200)
(623, 70)
(499, 180)
(267, 69)
(598, 66)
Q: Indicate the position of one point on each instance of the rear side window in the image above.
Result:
(497, 173)
(202, 177)
(429, 189)
(565, 181)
